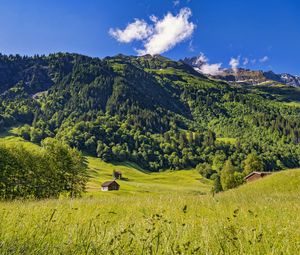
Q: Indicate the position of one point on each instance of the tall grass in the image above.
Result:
(249, 220)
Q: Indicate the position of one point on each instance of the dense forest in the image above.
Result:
(158, 113)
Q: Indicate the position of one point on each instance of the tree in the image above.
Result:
(227, 176)
(210, 138)
(252, 163)
(45, 173)
(69, 166)
(217, 184)
(36, 135)
(182, 140)
(218, 161)
(205, 170)
(239, 178)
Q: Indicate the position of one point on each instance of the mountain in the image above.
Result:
(290, 80)
(246, 76)
(195, 62)
(156, 112)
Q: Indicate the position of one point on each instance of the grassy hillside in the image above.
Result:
(142, 182)
(249, 220)
(8, 138)
(136, 180)
(158, 213)
(284, 182)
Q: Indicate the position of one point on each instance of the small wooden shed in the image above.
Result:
(110, 185)
(117, 174)
(255, 176)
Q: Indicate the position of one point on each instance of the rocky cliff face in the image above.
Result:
(290, 80)
(243, 76)
(246, 76)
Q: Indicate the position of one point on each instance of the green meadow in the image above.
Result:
(139, 182)
(172, 212)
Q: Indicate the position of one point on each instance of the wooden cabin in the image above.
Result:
(117, 175)
(110, 185)
(255, 176)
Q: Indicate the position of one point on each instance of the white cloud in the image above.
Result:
(160, 37)
(138, 30)
(168, 32)
(206, 68)
(253, 61)
(176, 2)
(212, 69)
(153, 18)
(234, 63)
(245, 62)
(264, 59)
(191, 46)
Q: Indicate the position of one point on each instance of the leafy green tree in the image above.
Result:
(218, 161)
(45, 173)
(36, 135)
(205, 170)
(239, 178)
(69, 165)
(227, 176)
(252, 163)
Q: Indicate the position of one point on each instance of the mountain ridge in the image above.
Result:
(246, 76)
(150, 110)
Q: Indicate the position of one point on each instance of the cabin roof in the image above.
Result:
(108, 183)
(255, 172)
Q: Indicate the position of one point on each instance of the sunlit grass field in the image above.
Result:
(163, 213)
(139, 182)
(227, 140)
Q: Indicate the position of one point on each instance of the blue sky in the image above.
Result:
(264, 32)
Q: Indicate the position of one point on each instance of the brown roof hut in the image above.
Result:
(255, 176)
(117, 174)
(110, 185)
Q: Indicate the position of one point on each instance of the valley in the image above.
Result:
(183, 143)
(149, 127)
(165, 213)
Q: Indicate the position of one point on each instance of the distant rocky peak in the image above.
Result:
(290, 80)
(196, 62)
(243, 76)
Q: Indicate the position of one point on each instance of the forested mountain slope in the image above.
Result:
(153, 111)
